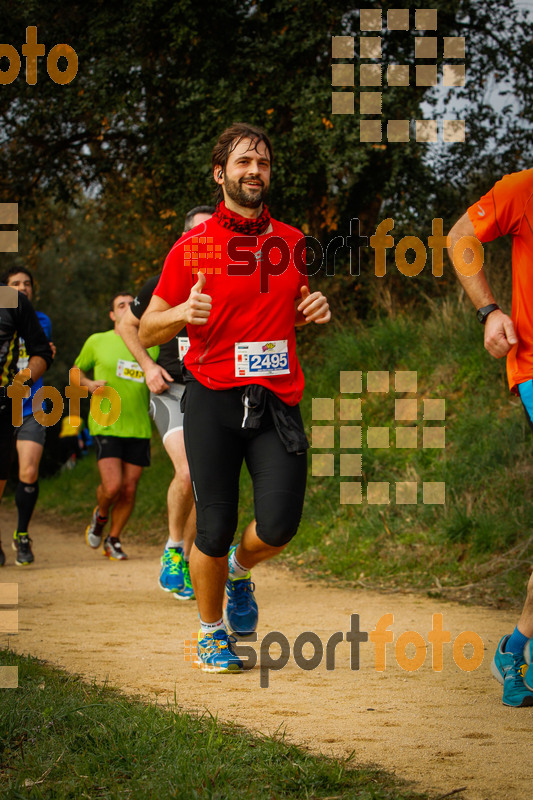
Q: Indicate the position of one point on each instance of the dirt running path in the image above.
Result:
(440, 730)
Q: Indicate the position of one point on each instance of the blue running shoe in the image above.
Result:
(241, 614)
(509, 669)
(528, 658)
(215, 652)
(185, 592)
(171, 577)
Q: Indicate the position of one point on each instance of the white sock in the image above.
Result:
(211, 627)
(171, 543)
(236, 570)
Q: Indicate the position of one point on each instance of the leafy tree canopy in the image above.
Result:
(128, 141)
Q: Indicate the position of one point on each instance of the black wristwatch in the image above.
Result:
(483, 313)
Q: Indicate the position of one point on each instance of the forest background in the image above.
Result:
(104, 169)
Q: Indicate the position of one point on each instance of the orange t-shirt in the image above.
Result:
(508, 208)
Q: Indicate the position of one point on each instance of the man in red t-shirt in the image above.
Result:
(506, 209)
(241, 287)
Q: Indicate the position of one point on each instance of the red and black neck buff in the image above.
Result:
(235, 222)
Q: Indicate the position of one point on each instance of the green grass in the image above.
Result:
(478, 540)
(63, 739)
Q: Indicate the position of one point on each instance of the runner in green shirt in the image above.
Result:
(120, 426)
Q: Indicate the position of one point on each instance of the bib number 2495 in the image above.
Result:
(268, 361)
(262, 358)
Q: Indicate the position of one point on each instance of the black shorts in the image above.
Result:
(216, 445)
(7, 438)
(130, 449)
(31, 431)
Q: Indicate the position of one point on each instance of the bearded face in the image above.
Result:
(248, 192)
(246, 179)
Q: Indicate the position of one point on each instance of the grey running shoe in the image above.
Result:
(113, 549)
(22, 547)
(94, 530)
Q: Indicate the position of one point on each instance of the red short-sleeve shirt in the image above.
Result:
(255, 311)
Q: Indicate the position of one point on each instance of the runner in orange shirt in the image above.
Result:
(507, 209)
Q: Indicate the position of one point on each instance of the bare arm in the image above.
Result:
(86, 381)
(475, 286)
(161, 321)
(37, 367)
(500, 334)
(157, 378)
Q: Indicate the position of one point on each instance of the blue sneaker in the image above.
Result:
(215, 652)
(185, 592)
(241, 614)
(509, 669)
(171, 577)
(528, 658)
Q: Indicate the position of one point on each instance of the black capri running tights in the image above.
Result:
(216, 445)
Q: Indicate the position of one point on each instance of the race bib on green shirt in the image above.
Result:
(130, 370)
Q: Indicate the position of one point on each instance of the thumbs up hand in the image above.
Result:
(312, 308)
(200, 283)
(304, 293)
(198, 306)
